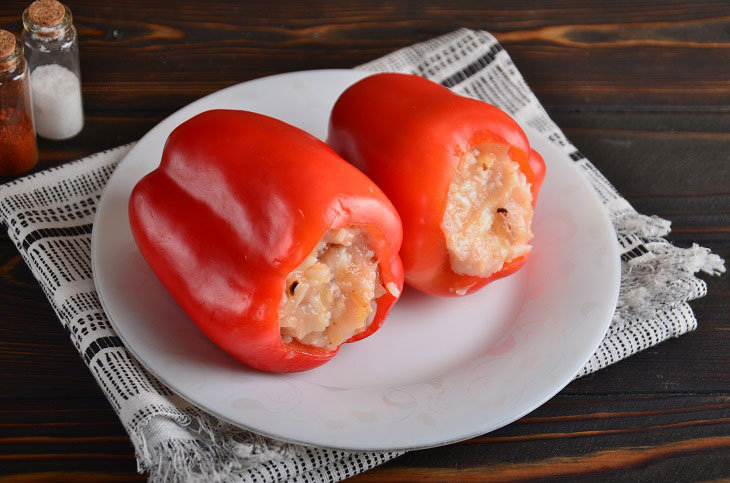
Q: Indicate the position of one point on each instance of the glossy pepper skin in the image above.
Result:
(408, 135)
(238, 201)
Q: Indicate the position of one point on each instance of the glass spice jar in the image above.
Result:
(52, 50)
(18, 150)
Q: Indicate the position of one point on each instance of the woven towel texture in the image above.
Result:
(49, 217)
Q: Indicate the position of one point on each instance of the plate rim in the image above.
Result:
(531, 134)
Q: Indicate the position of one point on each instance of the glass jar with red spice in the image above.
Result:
(18, 150)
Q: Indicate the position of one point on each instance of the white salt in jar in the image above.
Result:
(52, 51)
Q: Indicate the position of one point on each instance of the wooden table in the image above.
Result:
(642, 88)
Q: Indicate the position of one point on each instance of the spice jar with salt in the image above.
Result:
(52, 51)
(18, 151)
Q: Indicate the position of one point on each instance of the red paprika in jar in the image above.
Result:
(18, 150)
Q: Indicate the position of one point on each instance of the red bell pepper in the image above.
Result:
(408, 135)
(238, 201)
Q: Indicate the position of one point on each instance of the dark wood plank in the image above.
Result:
(49, 434)
(621, 438)
(641, 87)
(667, 51)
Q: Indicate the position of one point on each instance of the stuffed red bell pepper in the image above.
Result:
(459, 171)
(275, 247)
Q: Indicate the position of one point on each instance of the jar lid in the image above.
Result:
(7, 43)
(46, 13)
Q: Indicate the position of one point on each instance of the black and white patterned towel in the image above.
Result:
(49, 218)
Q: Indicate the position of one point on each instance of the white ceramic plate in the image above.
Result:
(438, 371)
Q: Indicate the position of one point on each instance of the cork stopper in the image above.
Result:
(7, 43)
(46, 13)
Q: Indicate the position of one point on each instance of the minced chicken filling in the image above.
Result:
(330, 296)
(488, 212)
